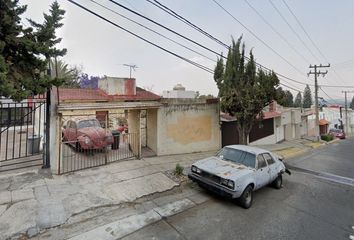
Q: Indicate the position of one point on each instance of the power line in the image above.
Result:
(258, 38)
(189, 23)
(275, 31)
(141, 38)
(302, 27)
(308, 36)
(150, 29)
(292, 29)
(166, 28)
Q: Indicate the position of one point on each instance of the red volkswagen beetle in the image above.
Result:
(86, 133)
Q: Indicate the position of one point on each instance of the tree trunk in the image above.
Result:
(242, 136)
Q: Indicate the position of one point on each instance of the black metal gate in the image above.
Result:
(22, 133)
(81, 146)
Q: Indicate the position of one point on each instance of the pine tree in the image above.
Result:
(284, 98)
(307, 97)
(25, 53)
(298, 100)
(352, 104)
(244, 90)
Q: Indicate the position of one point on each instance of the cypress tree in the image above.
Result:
(307, 97)
(244, 90)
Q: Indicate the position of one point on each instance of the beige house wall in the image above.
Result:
(151, 129)
(134, 128)
(188, 127)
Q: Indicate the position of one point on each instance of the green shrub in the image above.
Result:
(327, 137)
(178, 169)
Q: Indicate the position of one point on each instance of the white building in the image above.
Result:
(179, 92)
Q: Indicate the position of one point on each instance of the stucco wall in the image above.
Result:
(134, 128)
(151, 129)
(187, 128)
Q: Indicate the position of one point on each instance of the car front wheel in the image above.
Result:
(246, 198)
(278, 182)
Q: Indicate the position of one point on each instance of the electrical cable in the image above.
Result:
(141, 38)
(150, 29)
(258, 38)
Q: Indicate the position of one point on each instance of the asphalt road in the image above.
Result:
(337, 158)
(307, 207)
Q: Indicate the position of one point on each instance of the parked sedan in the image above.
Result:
(237, 171)
(338, 133)
(86, 133)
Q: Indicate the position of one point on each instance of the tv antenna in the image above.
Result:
(131, 67)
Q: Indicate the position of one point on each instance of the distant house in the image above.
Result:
(278, 124)
(179, 92)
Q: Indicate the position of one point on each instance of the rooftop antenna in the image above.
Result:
(131, 66)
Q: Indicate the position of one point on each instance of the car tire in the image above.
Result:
(278, 182)
(246, 198)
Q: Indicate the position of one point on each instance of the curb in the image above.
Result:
(123, 227)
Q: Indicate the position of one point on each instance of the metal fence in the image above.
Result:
(21, 133)
(85, 146)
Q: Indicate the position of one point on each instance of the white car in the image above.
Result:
(238, 170)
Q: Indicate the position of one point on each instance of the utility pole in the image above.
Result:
(316, 73)
(346, 110)
(131, 67)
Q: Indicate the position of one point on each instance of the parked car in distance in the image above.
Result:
(338, 133)
(122, 128)
(86, 133)
(237, 171)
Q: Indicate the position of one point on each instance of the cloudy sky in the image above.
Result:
(102, 49)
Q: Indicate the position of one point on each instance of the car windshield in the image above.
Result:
(238, 156)
(88, 123)
(336, 130)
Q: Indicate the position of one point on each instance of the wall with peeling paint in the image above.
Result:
(188, 126)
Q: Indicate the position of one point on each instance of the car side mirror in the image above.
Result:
(281, 158)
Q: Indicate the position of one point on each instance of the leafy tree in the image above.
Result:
(352, 104)
(23, 53)
(244, 90)
(88, 82)
(298, 100)
(307, 97)
(69, 75)
(284, 98)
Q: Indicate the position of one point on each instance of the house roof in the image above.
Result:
(323, 122)
(78, 94)
(67, 94)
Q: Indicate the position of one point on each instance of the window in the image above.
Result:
(268, 158)
(238, 156)
(261, 162)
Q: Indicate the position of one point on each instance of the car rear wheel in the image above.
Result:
(246, 198)
(278, 182)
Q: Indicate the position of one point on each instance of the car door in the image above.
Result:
(262, 172)
(271, 165)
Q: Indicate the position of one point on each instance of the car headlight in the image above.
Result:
(87, 141)
(196, 170)
(228, 183)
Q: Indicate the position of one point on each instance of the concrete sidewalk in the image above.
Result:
(293, 148)
(33, 201)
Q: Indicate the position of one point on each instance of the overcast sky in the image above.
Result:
(102, 49)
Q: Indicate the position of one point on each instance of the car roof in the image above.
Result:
(250, 149)
(78, 119)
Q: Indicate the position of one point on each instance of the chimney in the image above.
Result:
(118, 86)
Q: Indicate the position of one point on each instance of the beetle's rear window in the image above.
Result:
(88, 123)
(238, 156)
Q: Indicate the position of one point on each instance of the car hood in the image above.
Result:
(222, 168)
(92, 132)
